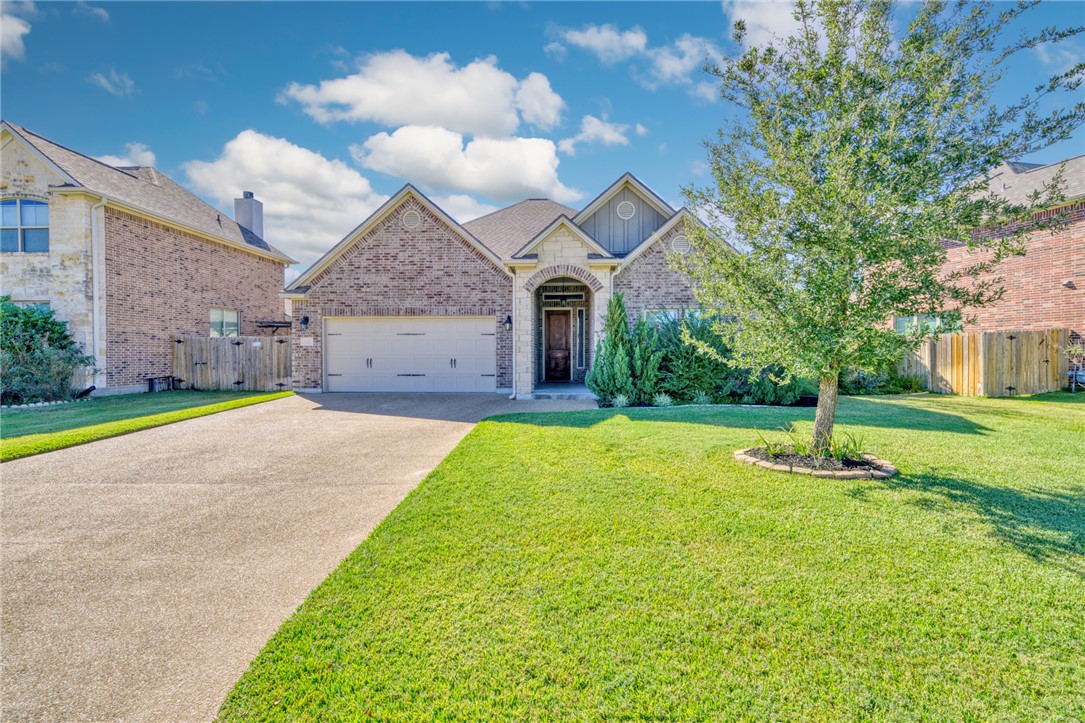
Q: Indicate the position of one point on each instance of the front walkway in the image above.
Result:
(563, 391)
(141, 574)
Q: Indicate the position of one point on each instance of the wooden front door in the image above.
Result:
(557, 346)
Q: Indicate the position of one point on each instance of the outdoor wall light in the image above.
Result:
(305, 322)
(508, 323)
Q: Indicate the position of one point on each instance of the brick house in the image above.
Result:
(128, 258)
(411, 300)
(1045, 288)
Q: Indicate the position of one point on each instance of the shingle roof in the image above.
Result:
(150, 190)
(1015, 181)
(506, 231)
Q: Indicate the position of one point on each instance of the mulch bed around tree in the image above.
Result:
(868, 467)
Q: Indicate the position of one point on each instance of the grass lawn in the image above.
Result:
(619, 564)
(24, 432)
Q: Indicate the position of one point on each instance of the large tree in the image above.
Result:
(851, 155)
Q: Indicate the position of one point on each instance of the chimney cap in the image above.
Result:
(246, 194)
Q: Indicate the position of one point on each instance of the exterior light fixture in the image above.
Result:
(508, 323)
(305, 322)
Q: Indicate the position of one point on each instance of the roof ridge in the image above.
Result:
(23, 129)
(506, 208)
(1040, 166)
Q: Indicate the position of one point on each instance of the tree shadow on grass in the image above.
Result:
(1047, 526)
(852, 411)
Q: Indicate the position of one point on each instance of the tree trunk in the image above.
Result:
(826, 414)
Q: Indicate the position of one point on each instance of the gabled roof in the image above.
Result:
(1015, 181)
(145, 190)
(627, 179)
(507, 230)
(375, 218)
(576, 231)
(680, 216)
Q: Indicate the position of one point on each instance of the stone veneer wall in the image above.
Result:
(560, 254)
(64, 275)
(1035, 296)
(395, 271)
(162, 282)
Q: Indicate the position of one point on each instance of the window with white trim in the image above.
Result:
(925, 324)
(658, 317)
(24, 226)
(39, 305)
(225, 322)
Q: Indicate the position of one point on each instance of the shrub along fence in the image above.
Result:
(249, 363)
(992, 364)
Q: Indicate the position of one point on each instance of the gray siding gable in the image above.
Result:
(617, 235)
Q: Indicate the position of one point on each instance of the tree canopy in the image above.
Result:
(852, 156)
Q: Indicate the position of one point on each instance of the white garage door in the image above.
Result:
(410, 354)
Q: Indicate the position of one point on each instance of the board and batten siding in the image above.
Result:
(617, 235)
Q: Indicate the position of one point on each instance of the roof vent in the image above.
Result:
(411, 219)
(626, 210)
(680, 245)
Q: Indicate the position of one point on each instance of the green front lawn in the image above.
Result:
(620, 564)
(25, 432)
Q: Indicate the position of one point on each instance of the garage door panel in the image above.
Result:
(408, 354)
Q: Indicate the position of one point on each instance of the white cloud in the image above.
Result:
(310, 202)
(395, 88)
(671, 65)
(436, 158)
(115, 83)
(766, 20)
(81, 8)
(1060, 57)
(538, 103)
(556, 50)
(607, 42)
(135, 154)
(675, 63)
(201, 107)
(13, 30)
(640, 130)
(705, 90)
(595, 130)
(462, 207)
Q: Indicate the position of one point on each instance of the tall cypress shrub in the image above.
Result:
(611, 372)
(646, 360)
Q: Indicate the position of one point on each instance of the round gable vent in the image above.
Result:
(411, 219)
(680, 245)
(626, 209)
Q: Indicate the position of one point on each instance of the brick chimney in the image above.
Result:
(249, 213)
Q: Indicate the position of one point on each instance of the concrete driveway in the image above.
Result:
(141, 574)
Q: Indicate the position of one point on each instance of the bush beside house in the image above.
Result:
(679, 361)
(39, 360)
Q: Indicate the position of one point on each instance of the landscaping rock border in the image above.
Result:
(39, 404)
(884, 470)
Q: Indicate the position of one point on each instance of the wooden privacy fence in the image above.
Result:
(992, 364)
(256, 363)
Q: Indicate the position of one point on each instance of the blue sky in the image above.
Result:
(325, 109)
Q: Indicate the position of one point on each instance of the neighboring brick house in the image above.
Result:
(128, 258)
(1045, 288)
(411, 300)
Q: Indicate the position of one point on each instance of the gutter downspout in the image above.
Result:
(97, 245)
(513, 332)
